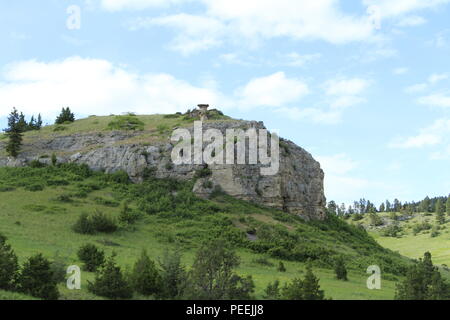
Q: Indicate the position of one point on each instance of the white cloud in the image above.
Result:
(436, 77)
(117, 5)
(95, 86)
(275, 90)
(294, 59)
(411, 21)
(436, 100)
(346, 87)
(390, 8)
(400, 71)
(419, 87)
(337, 164)
(436, 134)
(197, 33)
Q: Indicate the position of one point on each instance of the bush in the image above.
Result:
(202, 173)
(37, 278)
(281, 267)
(34, 187)
(8, 265)
(145, 277)
(110, 282)
(127, 122)
(103, 223)
(340, 269)
(91, 256)
(98, 222)
(128, 215)
(392, 231)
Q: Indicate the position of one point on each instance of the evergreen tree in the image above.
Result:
(425, 205)
(272, 291)
(423, 282)
(448, 205)
(440, 211)
(145, 277)
(110, 282)
(39, 122)
(37, 278)
(311, 287)
(281, 267)
(14, 134)
(92, 257)
(173, 275)
(8, 265)
(65, 116)
(382, 207)
(340, 269)
(212, 276)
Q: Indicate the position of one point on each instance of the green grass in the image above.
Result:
(173, 217)
(414, 246)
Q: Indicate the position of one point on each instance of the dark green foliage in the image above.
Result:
(59, 269)
(14, 134)
(447, 205)
(37, 278)
(8, 265)
(273, 291)
(281, 267)
(306, 289)
(37, 164)
(84, 225)
(127, 122)
(340, 269)
(392, 230)
(97, 222)
(212, 276)
(421, 227)
(91, 256)
(145, 278)
(54, 159)
(173, 276)
(202, 173)
(110, 282)
(128, 215)
(423, 282)
(66, 116)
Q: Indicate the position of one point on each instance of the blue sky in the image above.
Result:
(363, 85)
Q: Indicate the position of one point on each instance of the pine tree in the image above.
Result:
(110, 282)
(14, 134)
(423, 281)
(425, 205)
(173, 275)
(340, 269)
(145, 277)
(39, 122)
(8, 265)
(448, 205)
(440, 211)
(37, 278)
(65, 116)
(311, 287)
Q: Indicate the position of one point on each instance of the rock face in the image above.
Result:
(296, 188)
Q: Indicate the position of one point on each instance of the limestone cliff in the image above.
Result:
(297, 188)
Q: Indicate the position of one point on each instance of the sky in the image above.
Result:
(363, 85)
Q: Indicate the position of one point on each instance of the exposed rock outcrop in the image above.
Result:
(297, 187)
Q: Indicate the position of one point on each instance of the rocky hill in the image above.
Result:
(141, 145)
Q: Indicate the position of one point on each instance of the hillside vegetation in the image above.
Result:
(39, 207)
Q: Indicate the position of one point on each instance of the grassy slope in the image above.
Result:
(414, 246)
(31, 231)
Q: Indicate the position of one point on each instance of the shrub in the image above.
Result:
(281, 267)
(91, 256)
(272, 291)
(84, 225)
(202, 173)
(37, 164)
(340, 269)
(8, 265)
(173, 276)
(110, 282)
(37, 278)
(145, 277)
(103, 223)
(34, 187)
(127, 122)
(128, 215)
